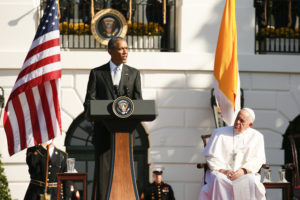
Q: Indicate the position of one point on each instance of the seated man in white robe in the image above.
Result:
(234, 155)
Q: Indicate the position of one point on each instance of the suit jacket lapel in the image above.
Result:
(107, 77)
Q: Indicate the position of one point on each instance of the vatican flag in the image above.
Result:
(226, 75)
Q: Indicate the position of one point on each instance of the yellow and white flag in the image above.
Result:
(226, 75)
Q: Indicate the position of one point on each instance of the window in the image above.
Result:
(79, 145)
(277, 26)
(146, 31)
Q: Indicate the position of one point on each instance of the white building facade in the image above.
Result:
(180, 82)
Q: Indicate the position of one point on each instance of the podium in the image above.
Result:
(122, 183)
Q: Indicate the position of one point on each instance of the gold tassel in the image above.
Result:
(58, 9)
(92, 9)
(130, 9)
(165, 11)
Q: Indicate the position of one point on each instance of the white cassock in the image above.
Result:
(227, 149)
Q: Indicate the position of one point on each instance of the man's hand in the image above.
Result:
(233, 175)
(48, 143)
(44, 144)
(227, 173)
(237, 174)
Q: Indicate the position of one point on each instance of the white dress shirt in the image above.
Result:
(116, 72)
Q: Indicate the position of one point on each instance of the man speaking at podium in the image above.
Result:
(106, 82)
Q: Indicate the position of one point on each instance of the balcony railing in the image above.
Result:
(147, 32)
(277, 26)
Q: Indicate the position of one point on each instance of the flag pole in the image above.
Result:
(46, 196)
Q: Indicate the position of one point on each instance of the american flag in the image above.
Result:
(32, 113)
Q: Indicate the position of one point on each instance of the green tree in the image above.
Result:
(4, 189)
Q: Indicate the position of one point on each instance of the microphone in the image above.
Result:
(116, 88)
(127, 92)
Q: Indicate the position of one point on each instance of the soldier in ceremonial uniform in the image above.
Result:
(36, 159)
(158, 190)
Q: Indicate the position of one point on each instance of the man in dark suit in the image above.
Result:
(36, 159)
(109, 81)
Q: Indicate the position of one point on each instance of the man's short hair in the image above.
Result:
(112, 42)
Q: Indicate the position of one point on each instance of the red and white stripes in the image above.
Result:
(32, 113)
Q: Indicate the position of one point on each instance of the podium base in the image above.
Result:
(122, 182)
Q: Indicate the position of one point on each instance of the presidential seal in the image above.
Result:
(108, 23)
(123, 107)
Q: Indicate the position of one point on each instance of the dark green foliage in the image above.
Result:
(4, 189)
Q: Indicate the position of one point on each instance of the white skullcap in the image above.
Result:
(251, 113)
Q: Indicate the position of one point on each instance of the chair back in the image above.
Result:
(204, 166)
(292, 138)
(205, 138)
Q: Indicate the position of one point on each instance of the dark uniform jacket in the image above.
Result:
(36, 159)
(100, 87)
(161, 191)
